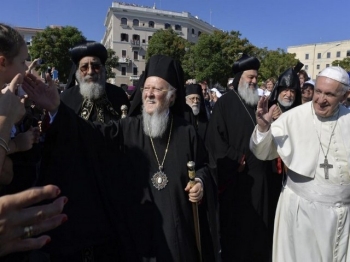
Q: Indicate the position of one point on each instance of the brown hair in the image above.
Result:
(11, 42)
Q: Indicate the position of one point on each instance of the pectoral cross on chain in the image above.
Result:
(326, 166)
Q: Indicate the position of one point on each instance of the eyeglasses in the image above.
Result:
(155, 90)
(194, 99)
(94, 66)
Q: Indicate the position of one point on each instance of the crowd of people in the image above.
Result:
(190, 174)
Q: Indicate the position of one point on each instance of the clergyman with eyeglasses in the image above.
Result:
(150, 192)
(76, 168)
(196, 112)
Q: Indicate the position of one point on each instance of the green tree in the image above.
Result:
(274, 62)
(52, 46)
(111, 62)
(167, 42)
(345, 63)
(214, 54)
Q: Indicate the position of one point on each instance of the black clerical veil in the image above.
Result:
(244, 63)
(171, 71)
(290, 79)
(197, 90)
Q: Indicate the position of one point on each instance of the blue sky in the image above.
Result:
(269, 23)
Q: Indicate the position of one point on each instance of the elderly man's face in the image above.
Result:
(90, 69)
(194, 102)
(286, 96)
(251, 78)
(327, 96)
(155, 95)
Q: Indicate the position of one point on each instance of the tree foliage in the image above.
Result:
(111, 63)
(274, 62)
(345, 63)
(167, 42)
(211, 58)
(52, 46)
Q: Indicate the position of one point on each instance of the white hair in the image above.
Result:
(250, 96)
(92, 90)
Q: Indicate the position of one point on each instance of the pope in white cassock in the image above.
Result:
(312, 220)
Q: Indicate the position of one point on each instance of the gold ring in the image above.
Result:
(28, 232)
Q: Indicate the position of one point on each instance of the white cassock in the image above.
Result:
(312, 220)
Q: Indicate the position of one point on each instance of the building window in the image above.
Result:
(328, 54)
(135, 40)
(327, 65)
(134, 71)
(348, 53)
(151, 24)
(143, 41)
(306, 67)
(338, 53)
(318, 67)
(123, 53)
(136, 55)
(124, 37)
(123, 71)
(199, 33)
(306, 56)
(149, 38)
(135, 22)
(143, 57)
(318, 55)
(193, 31)
(167, 26)
(178, 27)
(123, 21)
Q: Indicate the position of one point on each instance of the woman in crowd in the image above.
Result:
(18, 222)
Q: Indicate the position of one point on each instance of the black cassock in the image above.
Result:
(246, 206)
(150, 224)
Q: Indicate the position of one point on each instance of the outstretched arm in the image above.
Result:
(45, 96)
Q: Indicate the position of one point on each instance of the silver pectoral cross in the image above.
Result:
(326, 166)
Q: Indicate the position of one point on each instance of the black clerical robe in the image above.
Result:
(159, 223)
(200, 121)
(243, 196)
(73, 163)
(115, 95)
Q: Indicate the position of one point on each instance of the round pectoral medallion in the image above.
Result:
(159, 180)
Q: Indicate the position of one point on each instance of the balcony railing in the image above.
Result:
(124, 60)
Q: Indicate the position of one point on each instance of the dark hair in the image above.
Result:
(303, 72)
(11, 42)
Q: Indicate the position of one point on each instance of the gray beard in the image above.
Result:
(251, 97)
(195, 109)
(157, 123)
(285, 104)
(91, 90)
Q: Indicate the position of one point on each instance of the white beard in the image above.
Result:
(251, 97)
(91, 90)
(195, 109)
(157, 123)
(285, 104)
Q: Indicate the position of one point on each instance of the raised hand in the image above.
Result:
(264, 114)
(45, 96)
(11, 105)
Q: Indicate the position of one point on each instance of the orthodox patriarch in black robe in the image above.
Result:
(156, 224)
(243, 196)
(72, 161)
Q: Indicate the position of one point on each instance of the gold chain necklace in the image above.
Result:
(325, 165)
(159, 179)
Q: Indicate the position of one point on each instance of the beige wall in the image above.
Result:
(317, 57)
